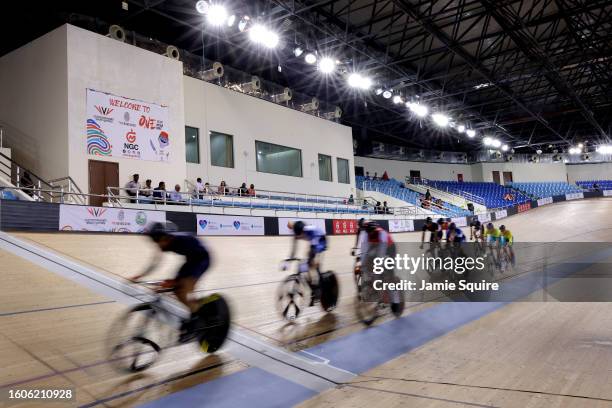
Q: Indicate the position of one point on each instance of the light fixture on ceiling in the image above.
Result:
(327, 65)
(504, 148)
(496, 143)
(397, 99)
(387, 94)
(487, 141)
(470, 132)
(440, 119)
(216, 15)
(202, 6)
(460, 128)
(379, 91)
(418, 109)
(357, 80)
(260, 34)
(243, 23)
(297, 51)
(310, 58)
(231, 20)
(604, 149)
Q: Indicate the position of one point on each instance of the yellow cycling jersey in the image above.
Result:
(507, 235)
(494, 233)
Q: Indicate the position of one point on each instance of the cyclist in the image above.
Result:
(476, 230)
(197, 261)
(433, 231)
(443, 226)
(492, 238)
(380, 244)
(506, 242)
(454, 234)
(361, 239)
(318, 244)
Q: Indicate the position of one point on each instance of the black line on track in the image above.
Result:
(47, 309)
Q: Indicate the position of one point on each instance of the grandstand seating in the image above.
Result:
(8, 195)
(602, 184)
(395, 189)
(493, 195)
(546, 189)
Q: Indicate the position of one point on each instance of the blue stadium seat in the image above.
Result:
(546, 189)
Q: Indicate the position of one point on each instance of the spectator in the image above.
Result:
(147, 189)
(243, 190)
(223, 190)
(367, 175)
(159, 192)
(427, 195)
(378, 208)
(199, 189)
(351, 200)
(385, 176)
(251, 190)
(595, 186)
(25, 181)
(132, 187)
(176, 194)
(385, 207)
(207, 189)
(375, 176)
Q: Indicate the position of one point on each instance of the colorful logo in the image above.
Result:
(96, 211)
(130, 136)
(97, 142)
(237, 225)
(104, 110)
(163, 139)
(203, 224)
(141, 218)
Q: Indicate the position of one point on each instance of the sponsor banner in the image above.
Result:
(545, 201)
(574, 196)
(460, 221)
(607, 193)
(229, 225)
(484, 217)
(282, 224)
(344, 227)
(122, 127)
(105, 219)
(524, 207)
(501, 214)
(401, 225)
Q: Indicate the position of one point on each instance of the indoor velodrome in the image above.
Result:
(337, 203)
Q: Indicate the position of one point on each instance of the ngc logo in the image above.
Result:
(130, 136)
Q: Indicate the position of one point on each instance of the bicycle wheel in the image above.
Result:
(329, 291)
(367, 312)
(132, 347)
(214, 322)
(291, 297)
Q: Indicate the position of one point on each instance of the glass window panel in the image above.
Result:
(325, 167)
(221, 149)
(192, 144)
(343, 171)
(276, 159)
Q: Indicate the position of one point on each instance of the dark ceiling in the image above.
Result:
(532, 73)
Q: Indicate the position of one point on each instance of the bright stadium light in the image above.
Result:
(440, 119)
(487, 141)
(262, 35)
(310, 58)
(504, 148)
(243, 23)
(574, 150)
(327, 65)
(397, 99)
(417, 109)
(356, 80)
(539, 151)
(604, 149)
(460, 128)
(580, 145)
(231, 20)
(202, 6)
(298, 51)
(470, 132)
(387, 94)
(496, 143)
(217, 15)
(379, 91)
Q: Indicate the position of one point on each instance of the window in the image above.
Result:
(276, 159)
(343, 171)
(192, 144)
(325, 168)
(221, 150)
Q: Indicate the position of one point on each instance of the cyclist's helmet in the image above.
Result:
(452, 226)
(361, 223)
(298, 227)
(428, 220)
(490, 225)
(502, 227)
(476, 223)
(371, 226)
(440, 221)
(157, 230)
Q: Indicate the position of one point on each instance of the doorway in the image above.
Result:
(507, 177)
(415, 175)
(359, 171)
(496, 177)
(102, 174)
(460, 177)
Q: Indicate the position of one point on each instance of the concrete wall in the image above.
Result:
(106, 65)
(34, 104)
(400, 169)
(523, 172)
(212, 108)
(592, 171)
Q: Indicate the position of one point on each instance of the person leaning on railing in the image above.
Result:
(159, 192)
(147, 189)
(176, 195)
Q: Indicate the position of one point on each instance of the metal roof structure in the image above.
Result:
(536, 74)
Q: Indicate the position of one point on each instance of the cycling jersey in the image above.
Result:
(455, 236)
(382, 242)
(316, 237)
(492, 235)
(196, 256)
(506, 237)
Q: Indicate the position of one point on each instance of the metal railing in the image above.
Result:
(465, 194)
(68, 185)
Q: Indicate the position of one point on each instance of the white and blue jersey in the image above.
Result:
(459, 236)
(316, 237)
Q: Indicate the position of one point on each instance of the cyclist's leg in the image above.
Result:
(185, 281)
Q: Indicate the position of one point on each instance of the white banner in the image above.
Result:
(401, 225)
(82, 218)
(282, 224)
(122, 127)
(607, 193)
(501, 214)
(574, 196)
(484, 217)
(460, 221)
(229, 225)
(545, 201)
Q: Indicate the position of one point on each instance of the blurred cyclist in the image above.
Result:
(432, 227)
(197, 261)
(506, 242)
(361, 239)
(379, 245)
(318, 244)
(476, 230)
(492, 238)
(454, 234)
